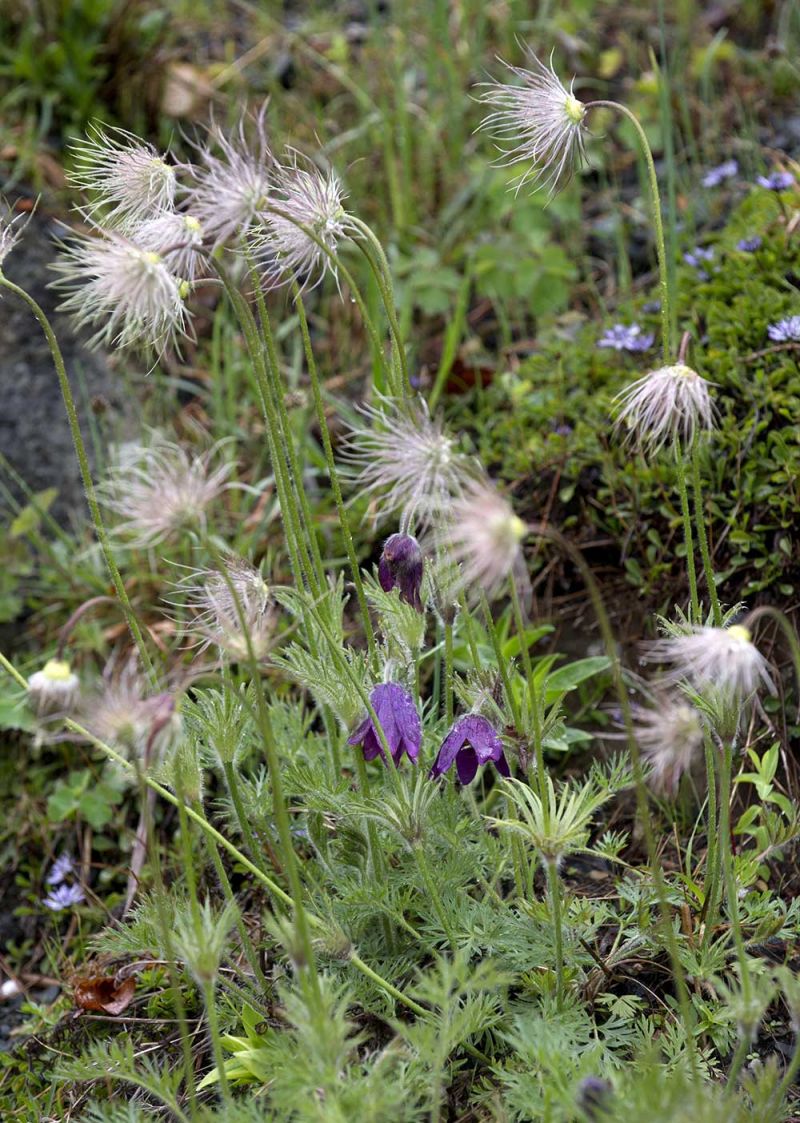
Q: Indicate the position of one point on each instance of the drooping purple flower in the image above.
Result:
(394, 707)
(715, 176)
(64, 897)
(785, 331)
(61, 867)
(401, 567)
(750, 245)
(472, 741)
(776, 181)
(626, 338)
(698, 255)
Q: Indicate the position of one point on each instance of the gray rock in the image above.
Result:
(34, 433)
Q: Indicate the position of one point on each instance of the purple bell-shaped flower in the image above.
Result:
(472, 741)
(399, 720)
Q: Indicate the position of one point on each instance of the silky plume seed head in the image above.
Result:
(404, 463)
(670, 735)
(233, 609)
(122, 289)
(725, 659)
(669, 403)
(129, 179)
(233, 182)
(307, 197)
(538, 121)
(11, 229)
(484, 536)
(177, 238)
(158, 491)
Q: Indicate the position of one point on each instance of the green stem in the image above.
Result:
(344, 522)
(448, 672)
(433, 894)
(236, 798)
(711, 886)
(728, 872)
(554, 888)
(86, 474)
(383, 276)
(216, 1043)
(533, 694)
(702, 536)
(688, 537)
(655, 202)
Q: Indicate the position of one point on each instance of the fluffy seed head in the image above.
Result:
(157, 491)
(723, 658)
(129, 179)
(406, 463)
(231, 605)
(123, 289)
(669, 734)
(313, 199)
(539, 121)
(484, 536)
(54, 689)
(232, 188)
(671, 402)
(178, 240)
(11, 228)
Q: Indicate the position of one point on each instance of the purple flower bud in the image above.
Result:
(472, 741)
(64, 897)
(401, 566)
(776, 181)
(394, 707)
(593, 1097)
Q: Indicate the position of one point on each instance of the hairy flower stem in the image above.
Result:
(533, 694)
(241, 927)
(711, 880)
(728, 872)
(333, 474)
(232, 783)
(216, 1040)
(86, 475)
(502, 664)
(702, 536)
(554, 889)
(433, 895)
(658, 224)
(688, 536)
(383, 275)
(448, 673)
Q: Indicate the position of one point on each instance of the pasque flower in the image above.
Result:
(178, 240)
(472, 741)
(232, 606)
(401, 566)
(11, 228)
(484, 536)
(669, 402)
(669, 733)
(395, 710)
(539, 121)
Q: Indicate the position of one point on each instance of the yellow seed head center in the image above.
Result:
(57, 670)
(574, 109)
(739, 633)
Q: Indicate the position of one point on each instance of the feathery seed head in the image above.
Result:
(233, 609)
(11, 228)
(54, 689)
(484, 536)
(669, 733)
(231, 189)
(122, 288)
(405, 461)
(130, 179)
(307, 197)
(671, 402)
(539, 121)
(723, 658)
(159, 490)
(175, 238)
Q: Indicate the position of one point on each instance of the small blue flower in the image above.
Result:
(61, 867)
(715, 176)
(624, 338)
(785, 331)
(64, 897)
(395, 710)
(401, 566)
(776, 181)
(750, 245)
(472, 741)
(698, 255)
